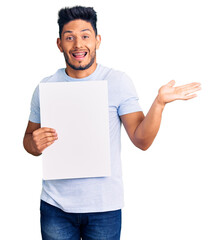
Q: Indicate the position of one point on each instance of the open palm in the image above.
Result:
(169, 93)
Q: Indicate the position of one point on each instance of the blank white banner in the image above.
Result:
(78, 111)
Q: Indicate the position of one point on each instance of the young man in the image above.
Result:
(90, 208)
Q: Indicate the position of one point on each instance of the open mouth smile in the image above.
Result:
(79, 55)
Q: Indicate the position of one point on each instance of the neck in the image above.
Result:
(80, 73)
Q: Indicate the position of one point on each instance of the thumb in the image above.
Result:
(171, 83)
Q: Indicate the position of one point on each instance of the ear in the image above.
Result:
(98, 41)
(59, 44)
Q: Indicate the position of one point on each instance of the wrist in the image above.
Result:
(159, 102)
(30, 146)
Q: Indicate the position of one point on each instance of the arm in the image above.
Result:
(36, 139)
(141, 129)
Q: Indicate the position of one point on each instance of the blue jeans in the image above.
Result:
(59, 225)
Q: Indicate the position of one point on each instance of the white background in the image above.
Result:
(174, 190)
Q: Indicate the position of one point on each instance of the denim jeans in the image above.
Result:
(59, 225)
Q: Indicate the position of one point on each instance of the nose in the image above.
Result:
(78, 43)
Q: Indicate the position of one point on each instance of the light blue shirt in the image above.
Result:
(96, 194)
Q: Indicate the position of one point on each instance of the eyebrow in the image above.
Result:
(86, 30)
(69, 31)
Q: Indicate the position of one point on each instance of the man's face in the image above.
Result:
(78, 42)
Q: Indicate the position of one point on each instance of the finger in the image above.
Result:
(47, 140)
(191, 90)
(44, 146)
(171, 83)
(42, 130)
(43, 137)
(39, 144)
(188, 97)
(46, 135)
(189, 85)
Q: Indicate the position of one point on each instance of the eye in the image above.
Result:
(85, 37)
(70, 38)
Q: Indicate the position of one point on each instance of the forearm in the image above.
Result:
(28, 145)
(141, 129)
(147, 130)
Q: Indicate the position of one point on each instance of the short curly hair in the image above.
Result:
(66, 15)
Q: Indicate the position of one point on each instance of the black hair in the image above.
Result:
(66, 15)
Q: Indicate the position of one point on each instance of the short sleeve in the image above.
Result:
(129, 98)
(35, 107)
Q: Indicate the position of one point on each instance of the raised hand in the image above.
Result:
(169, 93)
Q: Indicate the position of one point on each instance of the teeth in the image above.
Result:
(79, 54)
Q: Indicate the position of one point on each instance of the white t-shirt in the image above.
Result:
(98, 194)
